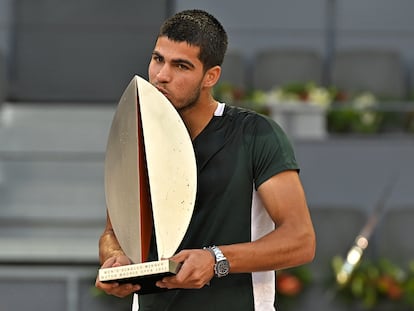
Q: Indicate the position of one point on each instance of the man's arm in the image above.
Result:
(108, 243)
(292, 243)
(112, 255)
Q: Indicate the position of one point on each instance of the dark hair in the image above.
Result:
(198, 28)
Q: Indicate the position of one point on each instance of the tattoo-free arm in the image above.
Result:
(292, 243)
(111, 255)
(108, 243)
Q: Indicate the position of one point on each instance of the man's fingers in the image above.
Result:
(118, 290)
(109, 263)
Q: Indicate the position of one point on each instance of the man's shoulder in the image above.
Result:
(248, 118)
(241, 113)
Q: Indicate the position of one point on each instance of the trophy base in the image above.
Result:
(145, 274)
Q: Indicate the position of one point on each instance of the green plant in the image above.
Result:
(375, 283)
(253, 100)
(346, 112)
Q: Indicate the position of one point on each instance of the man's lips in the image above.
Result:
(163, 91)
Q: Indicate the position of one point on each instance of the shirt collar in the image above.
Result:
(219, 110)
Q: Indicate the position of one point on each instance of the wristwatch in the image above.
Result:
(222, 265)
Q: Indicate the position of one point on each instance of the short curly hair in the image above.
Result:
(198, 28)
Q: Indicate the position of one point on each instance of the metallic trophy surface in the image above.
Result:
(150, 180)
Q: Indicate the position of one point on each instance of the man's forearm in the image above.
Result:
(109, 246)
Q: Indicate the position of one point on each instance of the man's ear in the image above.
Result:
(212, 76)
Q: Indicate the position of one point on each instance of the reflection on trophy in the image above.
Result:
(150, 183)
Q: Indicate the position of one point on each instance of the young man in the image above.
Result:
(250, 202)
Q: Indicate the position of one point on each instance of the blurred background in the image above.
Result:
(338, 75)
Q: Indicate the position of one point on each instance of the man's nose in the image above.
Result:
(164, 74)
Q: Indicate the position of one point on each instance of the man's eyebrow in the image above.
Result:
(183, 61)
(175, 61)
(155, 53)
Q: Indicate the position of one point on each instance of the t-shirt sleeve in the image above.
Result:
(272, 152)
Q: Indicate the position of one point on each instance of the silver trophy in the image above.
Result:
(150, 183)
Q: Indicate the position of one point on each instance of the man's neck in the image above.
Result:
(197, 118)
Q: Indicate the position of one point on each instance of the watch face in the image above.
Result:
(222, 268)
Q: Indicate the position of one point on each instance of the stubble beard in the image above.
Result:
(191, 102)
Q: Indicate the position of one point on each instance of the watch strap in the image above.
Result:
(221, 266)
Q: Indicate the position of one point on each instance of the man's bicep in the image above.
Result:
(283, 196)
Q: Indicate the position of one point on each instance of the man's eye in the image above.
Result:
(182, 66)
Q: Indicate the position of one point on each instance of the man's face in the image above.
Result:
(177, 72)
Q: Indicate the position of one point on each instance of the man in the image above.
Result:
(250, 202)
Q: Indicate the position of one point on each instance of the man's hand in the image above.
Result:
(196, 271)
(113, 288)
